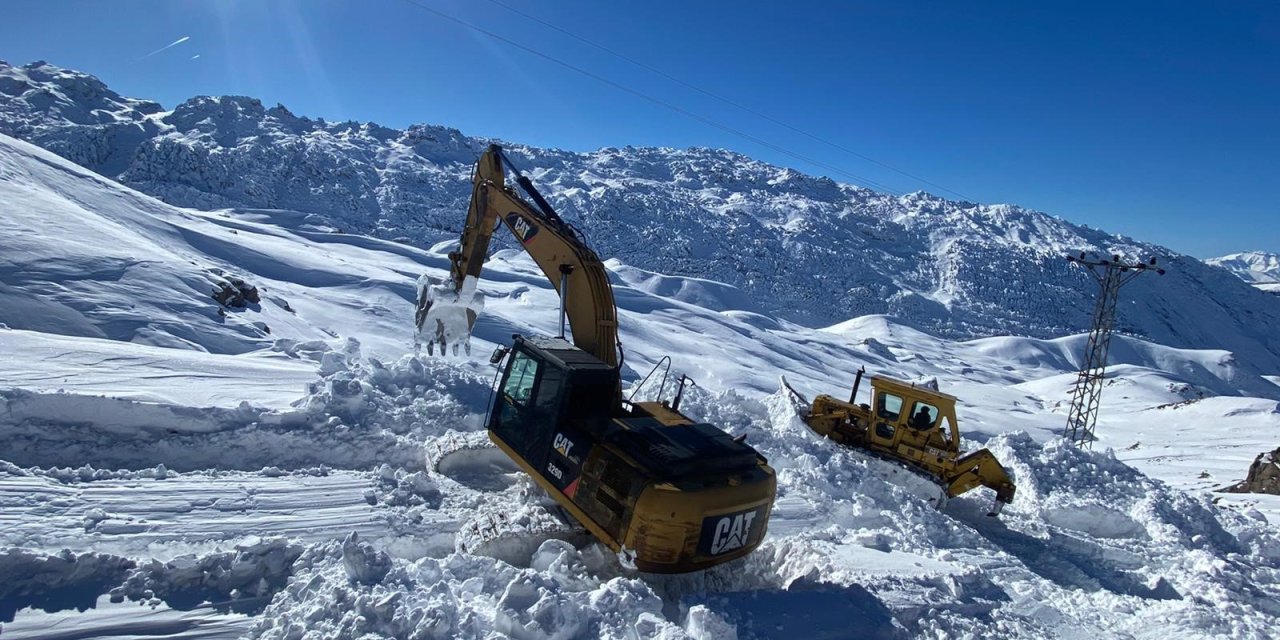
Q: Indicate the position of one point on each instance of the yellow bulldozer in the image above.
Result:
(912, 425)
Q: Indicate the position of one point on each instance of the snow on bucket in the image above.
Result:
(446, 313)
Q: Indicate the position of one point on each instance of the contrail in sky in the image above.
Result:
(167, 46)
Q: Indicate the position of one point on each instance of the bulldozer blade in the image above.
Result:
(802, 403)
(446, 314)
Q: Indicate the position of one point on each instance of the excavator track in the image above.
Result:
(514, 534)
(500, 529)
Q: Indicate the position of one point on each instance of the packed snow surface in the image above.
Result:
(289, 468)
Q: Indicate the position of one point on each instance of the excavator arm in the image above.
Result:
(573, 268)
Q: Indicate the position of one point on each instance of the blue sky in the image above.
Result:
(1158, 120)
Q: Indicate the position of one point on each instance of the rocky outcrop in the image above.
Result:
(1264, 475)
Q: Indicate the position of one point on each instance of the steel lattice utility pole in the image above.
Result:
(1087, 395)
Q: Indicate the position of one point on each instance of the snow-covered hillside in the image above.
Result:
(173, 471)
(806, 249)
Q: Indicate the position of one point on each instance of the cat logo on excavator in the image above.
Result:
(722, 534)
(523, 231)
(563, 445)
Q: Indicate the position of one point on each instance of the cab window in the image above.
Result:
(889, 406)
(519, 385)
(923, 415)
(548, 397)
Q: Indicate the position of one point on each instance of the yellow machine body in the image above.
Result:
(913, 425)
(670, 494)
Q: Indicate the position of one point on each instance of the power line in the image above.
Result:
(658, 101)
(728, 101)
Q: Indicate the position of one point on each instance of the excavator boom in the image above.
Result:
(571, 266)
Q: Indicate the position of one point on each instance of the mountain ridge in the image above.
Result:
(805, 248)
(1256, 267)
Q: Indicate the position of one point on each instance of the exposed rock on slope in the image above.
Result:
(807, 249)
(1264, 475)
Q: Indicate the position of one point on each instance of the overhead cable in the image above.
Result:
(658, 101)
(728, 101)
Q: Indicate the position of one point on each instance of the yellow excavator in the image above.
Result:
(912, 425)
(670, 494)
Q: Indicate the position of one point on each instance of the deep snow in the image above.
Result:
(133, 470)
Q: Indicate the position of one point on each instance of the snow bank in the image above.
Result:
(464, 596)
(1088, 544)
(53, 582)
(361, 414)
(242, 579)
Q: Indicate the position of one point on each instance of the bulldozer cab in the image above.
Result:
(918, 417)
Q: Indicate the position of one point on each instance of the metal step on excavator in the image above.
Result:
(913, 426)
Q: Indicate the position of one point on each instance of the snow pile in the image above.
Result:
(243, 579)
(1089, 544)
(406, 488)
(1083, 524)
(465, 596)
(362, 414)
(362, 562)
(57, 581)
(254, 569)
(413, 395)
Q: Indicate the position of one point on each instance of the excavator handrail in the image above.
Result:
(662, 386)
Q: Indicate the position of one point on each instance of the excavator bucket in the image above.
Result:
(446, 314)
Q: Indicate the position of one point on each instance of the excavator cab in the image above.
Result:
(673, 497)
(550, 395)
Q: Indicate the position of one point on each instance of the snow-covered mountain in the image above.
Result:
(1259, 267)
(263, 470)
(802, 248)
